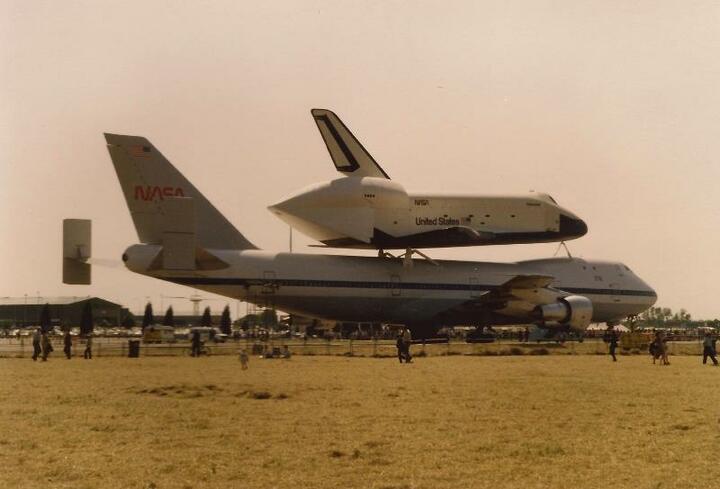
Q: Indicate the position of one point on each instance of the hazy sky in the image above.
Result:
(612, 107)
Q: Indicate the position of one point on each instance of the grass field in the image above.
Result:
(457, 421)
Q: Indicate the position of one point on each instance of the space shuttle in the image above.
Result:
(365, 209)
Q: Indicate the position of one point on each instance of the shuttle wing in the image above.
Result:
(348, 154)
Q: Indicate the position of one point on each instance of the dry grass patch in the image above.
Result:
(530, 421)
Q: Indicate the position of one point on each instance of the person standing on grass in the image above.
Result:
(244, 359)
(87, 354)
(400, 347)
(67, 344)
(662, 348)
(37, 349)
(612, 340)
(709, 349)
(407, 341)
(195, 344)
(46, 346)
(654, 349)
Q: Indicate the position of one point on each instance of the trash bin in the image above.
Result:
(133, 348)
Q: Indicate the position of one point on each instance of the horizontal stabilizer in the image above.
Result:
(77, 250)
(348, 154)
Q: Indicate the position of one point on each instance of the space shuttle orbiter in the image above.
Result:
(366, 209)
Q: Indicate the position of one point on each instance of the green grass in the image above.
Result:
(530, 421)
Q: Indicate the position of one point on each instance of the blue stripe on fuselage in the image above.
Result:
(279, 282)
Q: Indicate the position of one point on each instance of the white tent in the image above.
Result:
(603, 327)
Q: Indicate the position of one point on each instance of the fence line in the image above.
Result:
(118, 347)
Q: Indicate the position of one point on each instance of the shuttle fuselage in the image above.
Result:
(369, 212)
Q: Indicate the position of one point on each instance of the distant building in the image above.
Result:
(66, 311)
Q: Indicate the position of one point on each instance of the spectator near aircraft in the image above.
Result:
(244, 359)
(195, 344)
(611, 338)
(399, 344)
(709, 349)
(407, 341)
(46, 346)
(87, 354)
(37, 347)
(67, 345)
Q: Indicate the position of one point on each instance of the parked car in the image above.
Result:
(159, 334)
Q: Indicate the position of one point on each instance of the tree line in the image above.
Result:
(205, 319)
(664, 317)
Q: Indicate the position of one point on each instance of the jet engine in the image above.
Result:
(573, 311)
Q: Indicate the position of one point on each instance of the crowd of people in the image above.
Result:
(658, 347)
(42, 346)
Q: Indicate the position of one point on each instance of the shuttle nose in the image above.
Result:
(572, 226)
(294, 202)
(284, 206)
(276, 208)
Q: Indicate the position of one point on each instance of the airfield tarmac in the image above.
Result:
(312, 421)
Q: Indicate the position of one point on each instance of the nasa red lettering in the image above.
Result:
(150, 193)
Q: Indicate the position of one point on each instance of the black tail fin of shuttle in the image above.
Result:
(348, 154)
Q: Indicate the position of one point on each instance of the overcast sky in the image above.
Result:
(612, 107)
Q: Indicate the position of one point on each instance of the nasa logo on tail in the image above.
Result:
(150, 193)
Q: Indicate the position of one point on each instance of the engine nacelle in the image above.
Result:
(574, 311)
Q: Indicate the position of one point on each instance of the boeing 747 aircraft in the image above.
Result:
(184, 239)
